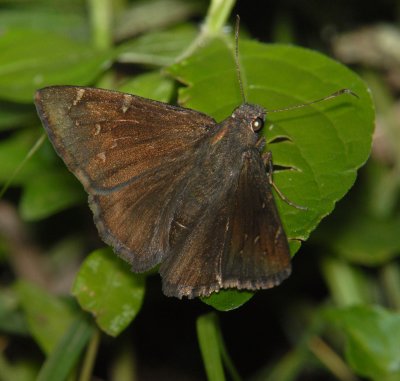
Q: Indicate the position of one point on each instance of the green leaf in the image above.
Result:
(322, 145)
(363, 230)
(60, 19)
(13, 151)
(227, 300)
(14, 115)
(369, 240)
(208, 337)
(68, 351)
(49, 193)
(11, 317)
(157, 48)
(21, 370)
(46, 59)
(146, 16)
(151, 85)
(48, 317)
(348, 285)
(107, 289)
(373, 337)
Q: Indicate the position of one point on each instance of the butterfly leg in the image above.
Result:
(260, 144)
(267, 158)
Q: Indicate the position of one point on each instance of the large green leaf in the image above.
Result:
(373, 337)
(107, 289)
(152, 85)
(158, 48)
(48, 317)
(65, 19)
(144, 16)
(13, 152)
(319, 147)
(12, 319)
(49, 193)
(36, 59)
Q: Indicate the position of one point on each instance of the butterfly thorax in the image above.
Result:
(218, 167)
(240, 129)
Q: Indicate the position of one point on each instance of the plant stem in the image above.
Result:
(90, 357)
(101, 21)
(330, 359)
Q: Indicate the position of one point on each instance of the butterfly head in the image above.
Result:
(251, 116)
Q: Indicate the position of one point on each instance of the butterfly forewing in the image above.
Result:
(109, 139)
(132, 156)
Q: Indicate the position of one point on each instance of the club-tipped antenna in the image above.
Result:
(331, 96)
(238, 72)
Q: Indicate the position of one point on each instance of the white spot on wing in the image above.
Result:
(102, 156)
(181, 225)
(79, 96)
(98, 129)
(277, 234)
(126, 104)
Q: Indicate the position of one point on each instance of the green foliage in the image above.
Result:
(208, 334)
(372, 340)
(47, 59)
(157, 48)
(213, 350)
(325, 143)
(318, 150)
(68, 351)
(38, 203)
(107, 289)
(150, 85)
(47, 316)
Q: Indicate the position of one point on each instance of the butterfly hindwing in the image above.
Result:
(237, 241)
(258, 256)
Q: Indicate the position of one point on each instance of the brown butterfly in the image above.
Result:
(171, 186)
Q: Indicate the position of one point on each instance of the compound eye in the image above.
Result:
(257, 124)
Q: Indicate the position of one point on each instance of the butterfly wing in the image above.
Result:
(258, 255)
(238, 242)
(130, 153)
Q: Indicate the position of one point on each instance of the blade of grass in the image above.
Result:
(31, 152)
(213, 349)
(208, 337)
(90, 356)
(67, 353)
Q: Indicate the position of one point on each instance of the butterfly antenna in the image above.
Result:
(238, 72)
(331, 96)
